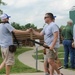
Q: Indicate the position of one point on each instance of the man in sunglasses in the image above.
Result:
(51, 38)
(46, 64)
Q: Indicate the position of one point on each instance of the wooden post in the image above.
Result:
(31, 37)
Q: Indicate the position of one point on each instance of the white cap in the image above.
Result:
(70, 20)
(4, 16)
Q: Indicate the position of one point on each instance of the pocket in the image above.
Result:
(12, 48)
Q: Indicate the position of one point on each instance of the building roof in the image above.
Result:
(73, 8)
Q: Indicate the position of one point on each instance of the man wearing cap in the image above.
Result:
(67, 35)
(6, 40)
(46, 64)
(51, 39)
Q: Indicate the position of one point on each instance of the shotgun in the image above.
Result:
(58, 62)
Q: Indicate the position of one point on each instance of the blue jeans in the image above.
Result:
(68, 50)
(74, 58)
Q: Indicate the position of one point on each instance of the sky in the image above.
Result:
(33, 11)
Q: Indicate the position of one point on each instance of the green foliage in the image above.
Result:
(2, 3)
(62, 27)
(23, 27)
(16, 25)
(29, 25)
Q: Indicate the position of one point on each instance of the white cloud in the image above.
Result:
(60, 5)
(9, 2)
(23, 3)
(33, 11)
(19, 3)
(30, 19)
(60, 17)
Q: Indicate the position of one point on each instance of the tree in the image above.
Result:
(29, 25)
(2, 3)
(23, 27)
(16, 25)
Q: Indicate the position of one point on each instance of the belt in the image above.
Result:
(68, 39)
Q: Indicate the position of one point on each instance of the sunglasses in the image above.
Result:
(46, 17)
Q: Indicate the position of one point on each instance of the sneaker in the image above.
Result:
(55, 74)
(61, 74)
(66, 67)
(46, 74)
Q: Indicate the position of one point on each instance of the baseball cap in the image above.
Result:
(54, 17)
(4, 16)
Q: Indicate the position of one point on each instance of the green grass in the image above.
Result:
(39, 56)
(60, 55)
(61, 49)
(19, 67)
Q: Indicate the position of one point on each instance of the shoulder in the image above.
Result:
(45, 26)
(7, 24)
(54, 25)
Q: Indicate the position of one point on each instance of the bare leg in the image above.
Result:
(51, 70)
(2, 64)
(7, 69)
(45, 67)
(54, 66)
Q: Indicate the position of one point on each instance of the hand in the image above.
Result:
(28, 30)
(51, 48)
(33, 30)
(73, 45)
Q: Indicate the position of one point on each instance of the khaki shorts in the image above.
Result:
(51, 54)
(45, 57)
(8, 56)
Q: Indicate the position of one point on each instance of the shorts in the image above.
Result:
(45, 57)
(8, 56)
(51, 54)
(46, 61)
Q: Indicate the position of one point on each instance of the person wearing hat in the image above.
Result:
(6, 40)
(51, 39)
(67, 35)
(46, 64)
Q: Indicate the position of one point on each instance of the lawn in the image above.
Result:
(19, 67)
(60, 55)
(61, 49)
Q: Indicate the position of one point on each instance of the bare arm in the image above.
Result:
(54, 40)
(37, 33)
(21, 32)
